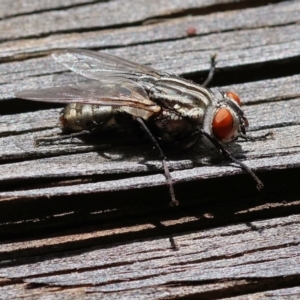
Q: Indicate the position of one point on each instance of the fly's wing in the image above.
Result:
(118, 93)
(98, 66)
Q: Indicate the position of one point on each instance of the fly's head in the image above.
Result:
(228, 120)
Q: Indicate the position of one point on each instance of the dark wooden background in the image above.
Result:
(90, 219)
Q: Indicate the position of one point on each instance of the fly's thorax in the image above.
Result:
(187, 98)
(183, 106)
(171, 126)
(137, 112)
(224, 119)
(170, 122)
(78, 117)
(195, 114)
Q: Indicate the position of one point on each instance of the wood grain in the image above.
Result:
(89, 217)
(200, 263)
(173, 29)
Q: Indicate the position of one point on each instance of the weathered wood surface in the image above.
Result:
(90, 219)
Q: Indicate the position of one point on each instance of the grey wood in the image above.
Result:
(172, 29)
(113, 13)
(234, 252)
(90, 219)
(234, 50)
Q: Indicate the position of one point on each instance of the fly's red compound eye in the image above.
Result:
(234, 97)
(222, 124)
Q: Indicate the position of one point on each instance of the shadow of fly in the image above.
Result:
(167, 107)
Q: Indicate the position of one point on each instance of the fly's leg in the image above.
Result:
(257, 138)
(228, 155)
(211, 71)
(79, 120)
(173, 202)
(54, 138)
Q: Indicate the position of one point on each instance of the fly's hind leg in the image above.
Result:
(56, 137)
(78, 120)
(173, 202)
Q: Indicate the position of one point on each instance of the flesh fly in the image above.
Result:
(167, 107)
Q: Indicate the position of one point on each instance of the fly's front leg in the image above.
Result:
(228, 155)
(173, 202)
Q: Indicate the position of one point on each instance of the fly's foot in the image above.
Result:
(260, 186)
(262, 137)
(174, 202)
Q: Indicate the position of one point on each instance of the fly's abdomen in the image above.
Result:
(78, 117)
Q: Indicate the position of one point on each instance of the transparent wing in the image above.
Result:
(117, 93)
(97, 66)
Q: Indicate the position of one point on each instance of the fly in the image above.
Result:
(167, 107)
